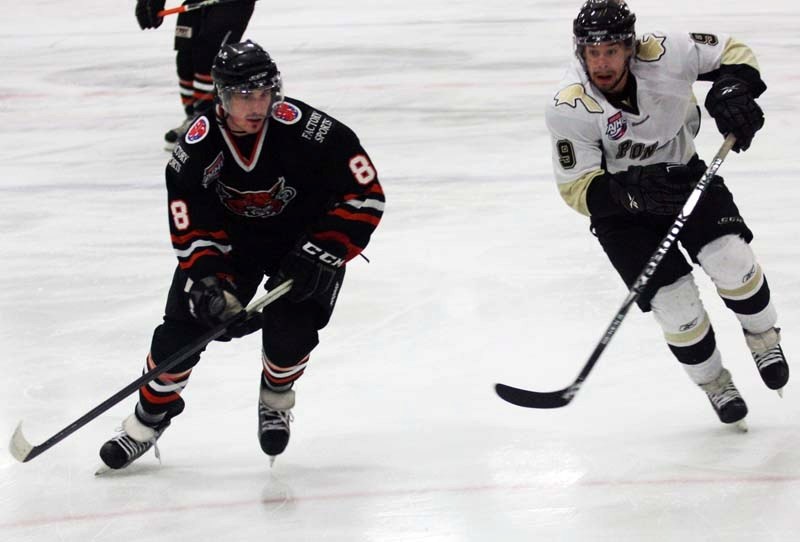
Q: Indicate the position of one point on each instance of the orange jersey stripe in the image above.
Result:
(196, 256)
(351, 215)
(372, 190)
(201, 234)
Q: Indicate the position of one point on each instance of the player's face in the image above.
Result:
(607, 65)
(248, 110)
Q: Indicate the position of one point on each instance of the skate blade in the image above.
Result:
(102, 469)
(741, 426)
(272, 460)
(780, 392)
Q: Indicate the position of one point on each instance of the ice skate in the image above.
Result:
(172, 136)
(726, 400)
(274, 418)
(768, 355)
(134, 440)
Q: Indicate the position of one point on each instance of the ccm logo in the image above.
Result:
(323, 256)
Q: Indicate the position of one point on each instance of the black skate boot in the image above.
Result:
(768, 355)
(726, 400)
(133, 441)
(274, 417)
(136, 437)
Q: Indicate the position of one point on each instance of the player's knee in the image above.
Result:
(170, 337)
(678, 309)
(288, 351)
(729, 261)
(289, 334)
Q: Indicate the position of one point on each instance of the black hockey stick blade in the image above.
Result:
(536, 399)
(23, 451)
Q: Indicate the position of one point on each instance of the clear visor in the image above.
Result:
(604, 37)
(250, 91)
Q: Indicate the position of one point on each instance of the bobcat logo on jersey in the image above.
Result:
(260, 204)
(617, 126)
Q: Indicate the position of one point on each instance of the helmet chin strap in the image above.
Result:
(222, 120)
(221, 114)
(625, 72)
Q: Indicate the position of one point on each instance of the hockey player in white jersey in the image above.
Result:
(622, 123)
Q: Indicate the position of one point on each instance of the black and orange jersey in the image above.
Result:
(304, 173)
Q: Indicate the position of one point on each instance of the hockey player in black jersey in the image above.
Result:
(622, 126)
(261, 186)
(199, 33)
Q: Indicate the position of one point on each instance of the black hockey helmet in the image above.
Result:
(602, 21)
(244, 67)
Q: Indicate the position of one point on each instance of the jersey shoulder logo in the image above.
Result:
(286, 113)
(571, 95)
(651, 48)
(197, 131)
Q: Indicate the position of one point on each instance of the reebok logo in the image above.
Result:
(728, 90)
(749, 275)
(688, 326)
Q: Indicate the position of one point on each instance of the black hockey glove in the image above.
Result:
(213, 302)
(657, 189)
(313, 269)
(147, 13)
(731, 103)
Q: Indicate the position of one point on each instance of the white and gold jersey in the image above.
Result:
(589, 134)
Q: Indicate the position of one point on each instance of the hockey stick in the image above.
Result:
(192, 7)
(560, 398)
(24, 451)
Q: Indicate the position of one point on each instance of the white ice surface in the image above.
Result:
(479, 274)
